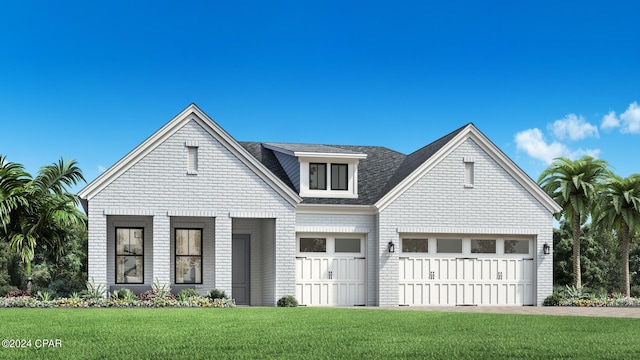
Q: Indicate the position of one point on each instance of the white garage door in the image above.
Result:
(330, 270)
(447, 271)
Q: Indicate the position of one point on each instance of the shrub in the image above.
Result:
(217, 294)
(64, 288)
(187, 294)
(5, 289)
(43, 296)
(94, 290)
(553, 300)
(287, 301)
(573, 292)
(124, 294)
(157, 292)
(18, 293)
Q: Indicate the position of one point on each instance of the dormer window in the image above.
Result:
(320, 171)
(339, 177)
(318, 176)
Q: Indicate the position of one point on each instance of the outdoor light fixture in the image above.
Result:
(391, 247)
(546, 249)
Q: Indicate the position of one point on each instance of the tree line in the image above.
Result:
(590, 193)
(41, 225)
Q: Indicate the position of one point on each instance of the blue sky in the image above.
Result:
(90, 81)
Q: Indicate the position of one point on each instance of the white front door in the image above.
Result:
(330, 270)
(466, 272)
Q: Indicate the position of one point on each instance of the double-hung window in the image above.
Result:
(188, 256)
(129, 255)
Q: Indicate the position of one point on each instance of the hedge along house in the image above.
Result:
(454, 223)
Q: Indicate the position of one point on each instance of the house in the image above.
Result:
(454, 223)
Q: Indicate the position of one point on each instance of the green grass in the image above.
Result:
(314, 333)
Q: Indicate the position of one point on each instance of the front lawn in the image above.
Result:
(311, 333)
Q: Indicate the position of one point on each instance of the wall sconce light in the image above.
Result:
(391, 247)
(546, 249)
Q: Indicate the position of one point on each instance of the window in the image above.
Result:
(188, 256)
(339, 177)
(347, 245)
(318, 176)
(468, 174)
(129, 255)
(483, 246)
(313, 245)
(449, 246)
(415, 245)
(192, 160)
(516, 246)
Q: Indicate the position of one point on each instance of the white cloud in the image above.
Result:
(101, 169)
(610, 121)
(631, 119)
(628, 122)
(532, 142)
(573, 127)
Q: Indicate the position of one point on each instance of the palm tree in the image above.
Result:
(39, 209)
(13, 179)
(619, 210)
(571, 183)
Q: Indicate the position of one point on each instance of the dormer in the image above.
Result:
(320, 171)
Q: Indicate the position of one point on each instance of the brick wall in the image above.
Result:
(158, 186)
(440, 203)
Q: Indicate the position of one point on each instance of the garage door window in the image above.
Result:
(415, 245)
(347, 245)
(313, 245)
(516, 246)
(483, 246)
(449, 246)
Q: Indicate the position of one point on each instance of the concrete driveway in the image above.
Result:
(623, 312)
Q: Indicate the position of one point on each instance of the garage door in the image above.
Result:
(330, 271)
(447, 271)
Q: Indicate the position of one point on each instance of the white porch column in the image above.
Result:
(97, 252)
(161, 249)
(222, 256)
(285, 257)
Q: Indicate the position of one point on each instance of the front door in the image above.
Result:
(240, 269)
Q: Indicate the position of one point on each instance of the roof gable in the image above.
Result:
(192, 112)
(417, 164)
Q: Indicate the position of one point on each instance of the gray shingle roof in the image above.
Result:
(379, 173)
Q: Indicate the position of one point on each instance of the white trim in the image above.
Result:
(470, 231)
(352, 179)
(336, 155)
(192, 112)
(329, 155)
(336, 209)
(470, 132)
(134, 212)
(333, 229)
(257, 215)
(191, 213)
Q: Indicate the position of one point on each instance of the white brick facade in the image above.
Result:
(152, 189)
(440, 203)
(157, 191)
